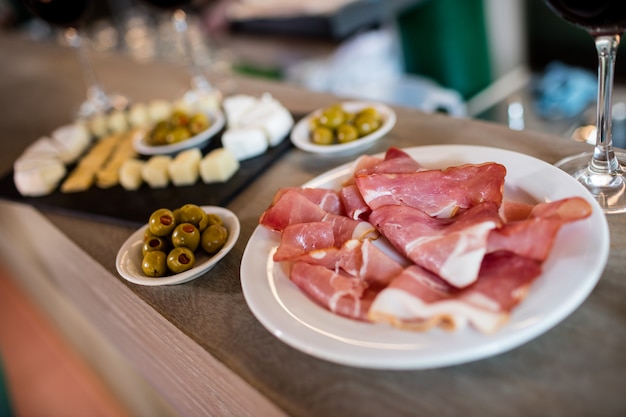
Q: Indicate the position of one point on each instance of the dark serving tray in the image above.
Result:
(118, 205)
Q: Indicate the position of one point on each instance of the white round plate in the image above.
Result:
(217, 123)
(300, 134)
(569, 274)
(128, 260)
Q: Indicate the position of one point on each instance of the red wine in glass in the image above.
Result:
(62, 13)
(603, 171)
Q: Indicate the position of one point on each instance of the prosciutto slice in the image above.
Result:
(337, 291)
(292, 207)
(534, 236)
(439, 193)
(452, 248)
(419, 300)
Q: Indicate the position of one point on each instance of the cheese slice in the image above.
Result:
(155, 171)
(219, 165)
(245, 143)
(184, 168)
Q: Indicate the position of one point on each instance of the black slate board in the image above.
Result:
(118, 205)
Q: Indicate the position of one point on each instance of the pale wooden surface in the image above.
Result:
(198, 343)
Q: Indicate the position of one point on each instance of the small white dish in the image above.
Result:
(217, 123)
(569, 274)
(301, 138)
(128, 260)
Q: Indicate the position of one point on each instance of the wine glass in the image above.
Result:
(201, 88)
(602, 171)
(69, 15)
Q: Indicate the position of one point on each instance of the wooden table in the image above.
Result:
(199, 347)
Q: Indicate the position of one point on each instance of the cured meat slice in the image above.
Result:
(419, 300)
(301, 238)
(363, 259)
(290, 207)
(355, 206)
(452, 248)
(534, 236)
(440, 193)
(337, 291)
(294, 208)
(396, 161)
(327, 199)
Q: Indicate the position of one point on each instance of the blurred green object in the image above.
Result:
(5, 404)
(446, 40)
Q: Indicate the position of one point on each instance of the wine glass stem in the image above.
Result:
(95, 92)
(604, 160)
(198, 80)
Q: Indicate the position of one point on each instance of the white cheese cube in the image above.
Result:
(71, 141)
(184, 168)
(246, 142)
(159, 110)
(219, 165)
(155, 171)
(277, 125)
(36, 178)
(130, 174)
(41, 148)
(117, 121)
(98, 125)
(235, 107)
(139, 115)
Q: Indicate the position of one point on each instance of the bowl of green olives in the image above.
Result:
(178, 245)
(344, 128)
(181, 130)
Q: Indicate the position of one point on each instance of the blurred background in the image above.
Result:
(506, 61)
(485, 59)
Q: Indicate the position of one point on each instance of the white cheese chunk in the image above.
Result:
(130, 174)
(38, 177)
(235, 107)
(155, 171)
(71, 140)
(245, 143)
(184, 168)
(219, 165)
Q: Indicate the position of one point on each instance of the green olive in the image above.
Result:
(162, 222)
(154, 264)
(322, 136)
(180, 259)
(213, 238)
(347, 133)
(177, 134)
(156, 136)
(332, 117)
(186, 235)
(371, 112)
(199, 122)
(213, 218)
(147, 235)
(179, 118)
(155, 243)
(366, 124)
(192, 213)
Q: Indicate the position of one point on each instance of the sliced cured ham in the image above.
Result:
(337, 291)
(439, 193)
(419, 300)
(327, 199)
(301, 238)
(534, 236)
(452, 248)
(396, 161)
(355, 206)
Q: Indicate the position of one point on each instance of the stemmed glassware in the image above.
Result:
(201, 88)
(602, 171)
(69, 15)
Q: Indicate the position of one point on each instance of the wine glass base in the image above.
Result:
(608, 189)
(92, 107)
